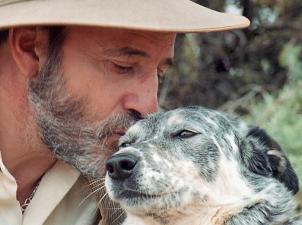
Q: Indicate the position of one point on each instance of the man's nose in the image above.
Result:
(142, 98)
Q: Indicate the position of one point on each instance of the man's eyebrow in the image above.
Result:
(127, 51)
(134, 52)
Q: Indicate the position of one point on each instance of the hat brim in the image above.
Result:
(179, 16)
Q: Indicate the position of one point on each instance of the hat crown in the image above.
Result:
(7, 2)
(152, 15)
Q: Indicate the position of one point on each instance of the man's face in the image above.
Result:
(116, 70)
(100, 82)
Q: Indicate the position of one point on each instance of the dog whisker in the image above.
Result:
(98, 187)
(96, 181)
(102, 198)
(89, 195)
(122, 213)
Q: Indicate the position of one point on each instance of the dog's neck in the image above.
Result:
(207, 215)
(226, 214)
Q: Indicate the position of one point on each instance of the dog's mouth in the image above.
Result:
(134, 199)
(138, 195)
(143, 203)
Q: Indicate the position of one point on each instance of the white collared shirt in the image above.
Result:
(60, 199)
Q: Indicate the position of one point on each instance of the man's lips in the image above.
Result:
(112, 140)
(120, 132)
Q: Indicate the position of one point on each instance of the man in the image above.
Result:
(68, 92)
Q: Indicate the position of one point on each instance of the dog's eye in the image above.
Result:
(185, 134)
(124, 144)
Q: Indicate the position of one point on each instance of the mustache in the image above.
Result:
(117, 124)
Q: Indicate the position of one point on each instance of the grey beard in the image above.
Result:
(63, 127)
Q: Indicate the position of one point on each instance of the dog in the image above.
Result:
(196, 166)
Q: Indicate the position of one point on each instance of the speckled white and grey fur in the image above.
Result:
(202, 167)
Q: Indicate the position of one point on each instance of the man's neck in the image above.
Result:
(23, 154)
(27, 170)
(28, 174)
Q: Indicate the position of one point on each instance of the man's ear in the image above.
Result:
(269, 159)
(26, 46)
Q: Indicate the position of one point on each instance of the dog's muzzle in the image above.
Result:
(121, 166)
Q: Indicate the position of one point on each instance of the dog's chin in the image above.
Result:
(140, 202)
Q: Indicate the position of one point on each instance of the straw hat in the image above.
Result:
(153, 15)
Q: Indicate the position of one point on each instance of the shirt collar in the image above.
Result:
(10, 211)
(54, 185)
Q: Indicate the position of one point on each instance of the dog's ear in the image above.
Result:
(268, 159)
(253, 154)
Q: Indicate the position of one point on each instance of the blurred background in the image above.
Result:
(255, 73)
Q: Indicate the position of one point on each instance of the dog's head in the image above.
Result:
(190, 158)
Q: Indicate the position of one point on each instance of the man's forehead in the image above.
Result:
(131, 42)
(121, 42)
(116, 34)
(153, 36)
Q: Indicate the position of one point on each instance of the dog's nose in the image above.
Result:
(121, 166)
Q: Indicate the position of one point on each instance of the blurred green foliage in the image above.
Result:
(281, 113)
